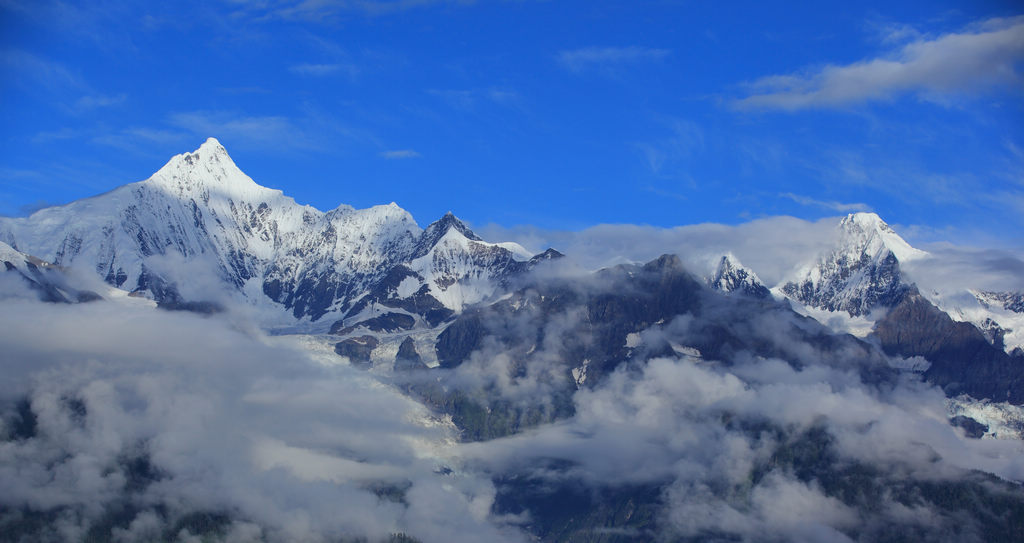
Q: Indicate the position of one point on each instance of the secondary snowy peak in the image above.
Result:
(860, 273)
(731, 276)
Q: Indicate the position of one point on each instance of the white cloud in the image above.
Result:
(229, 420)
(827, 204)
(579, 60)
(400, 154)
(33, 70)
(977, 58)
(469, 99)
(100, 100)
(770, 246)
(318, 70)
(271, 131)
(319, 10)
(245, 423)
(667, 156)
(774, 247)
(663, 421)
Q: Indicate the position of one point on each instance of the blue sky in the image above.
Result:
(560, 115)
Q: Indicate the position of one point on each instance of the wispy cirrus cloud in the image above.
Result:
(258, 131)
(664, 156)
(321, 10)
(69, 91)
(400, 154)
(36, 71)
(469, 99)
(135, 139)
(318, 70)
(589, 58)
(979, 57)
(827, 204)
(299, 428)
(100, 100)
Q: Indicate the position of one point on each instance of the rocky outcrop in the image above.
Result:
(357, 350)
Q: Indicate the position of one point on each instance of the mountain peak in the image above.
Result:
(211, 143)
(860, 273)
(206, 167)
(437, 230)
(448, 222)
(863, 219)
(868, 233)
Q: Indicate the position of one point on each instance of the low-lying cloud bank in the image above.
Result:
(769, 246)
(791, 434)
(153, 424)
(155, 416)
(773, 247)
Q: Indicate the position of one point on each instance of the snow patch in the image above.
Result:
(407, 287)
(579, 374)
(1004, 420)
(838, 321)
(916, 364)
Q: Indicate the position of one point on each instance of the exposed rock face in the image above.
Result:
(388, 322)
(962, 359)
(357, 349)
(861, 273)
(408, 359)
(971, 427)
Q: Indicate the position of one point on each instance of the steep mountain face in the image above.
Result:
(861, 273)
(201, 210)
(732, 276)
(962, 360)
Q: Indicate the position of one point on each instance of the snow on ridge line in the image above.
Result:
(202, 208)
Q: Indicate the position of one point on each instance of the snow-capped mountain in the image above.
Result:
(732, 276)
(201, 229)
(866, 270)
(200, 232)
(861, 273)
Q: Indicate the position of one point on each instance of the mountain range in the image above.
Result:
(243, 242)
(509, 346)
